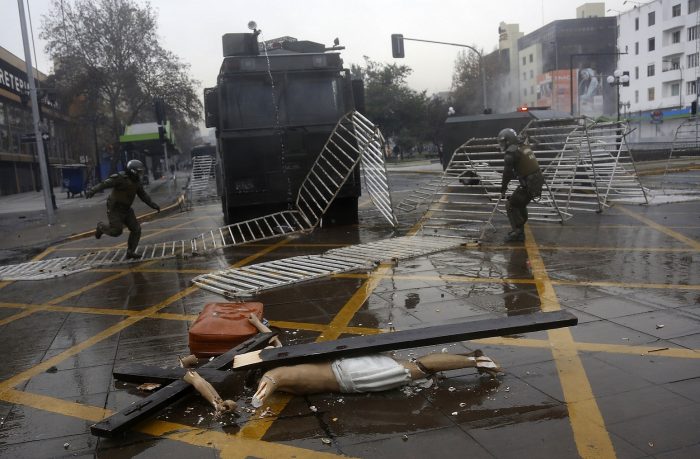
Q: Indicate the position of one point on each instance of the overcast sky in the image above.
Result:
(193, 29)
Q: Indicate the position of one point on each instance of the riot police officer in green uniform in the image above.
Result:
(519, 163)
(125, 186)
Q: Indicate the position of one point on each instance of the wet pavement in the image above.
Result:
(623, 383)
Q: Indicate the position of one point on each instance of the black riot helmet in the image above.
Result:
(135, 168)
(506, 138)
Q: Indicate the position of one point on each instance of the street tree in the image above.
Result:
(467, 83)
(391, 103)
(107, 55)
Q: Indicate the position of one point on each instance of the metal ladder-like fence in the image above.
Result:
(202, 182)
(254, 279)
(352, 138)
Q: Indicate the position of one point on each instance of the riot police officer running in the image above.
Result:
(125, 186)
(519, 163)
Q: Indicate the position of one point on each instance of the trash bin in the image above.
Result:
(73, 178)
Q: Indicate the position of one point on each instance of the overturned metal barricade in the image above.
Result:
(469, 193)
(202, 181)
(613, 168)
(352, 138)
(375, 179)
(254, 279)
(562, 149)
(686, 144)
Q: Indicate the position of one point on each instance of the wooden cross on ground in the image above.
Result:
(253, 355)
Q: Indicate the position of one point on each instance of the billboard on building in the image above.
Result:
(556, 90)
(589, 99)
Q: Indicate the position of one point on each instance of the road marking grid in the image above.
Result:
(590, 434)
(591, 437)
(315, 327)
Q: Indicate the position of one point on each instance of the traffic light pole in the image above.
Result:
(45, 184)
(481, 59)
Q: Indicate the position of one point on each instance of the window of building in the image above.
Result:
(636, 96)
(636, 23)
(636, 73)
(676, 10)
(693, 6)
(692, 60)
(524, 76)
(652, 44)
(530, 57)
(650, 94)
(524, 60)
(691, 87)
(651, 18)
(636, 47)
(673, 63)
(692, 33)
(675, 89)
(532, 89)
(676, 36)
(650, 70)
(532, 75)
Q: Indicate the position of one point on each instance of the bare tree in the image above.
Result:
(107, 51)
(467, 83)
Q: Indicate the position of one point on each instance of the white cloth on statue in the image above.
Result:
(370, 373)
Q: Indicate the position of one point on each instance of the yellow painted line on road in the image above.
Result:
(658, 351)
(306, 326)
(17, 316)
(449, 278)
(256, 428)
(348, 311)
(116, 328)
(590, 434)
(664, 229)
(140, 218)
(70, 309)
(104, 334)
(38, 257)
(616, 249)
(486, 280)
(98, 283)
(228, 445)
(636, 285)
(164, 230)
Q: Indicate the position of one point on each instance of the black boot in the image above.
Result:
(517, 235)
(98, 231)
(132, 254)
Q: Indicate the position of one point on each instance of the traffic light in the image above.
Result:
(626, 81)
(397, 45)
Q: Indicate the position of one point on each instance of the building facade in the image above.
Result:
(661, 40)
(19, 167)
(562, 65)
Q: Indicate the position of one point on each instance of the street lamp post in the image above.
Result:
(617, 79)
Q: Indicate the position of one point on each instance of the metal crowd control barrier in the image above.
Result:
(353, 138)
(202, 182)
(686, 143)
(253, 279)
(374, 174)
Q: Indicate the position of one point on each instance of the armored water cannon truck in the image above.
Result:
(274, 106)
